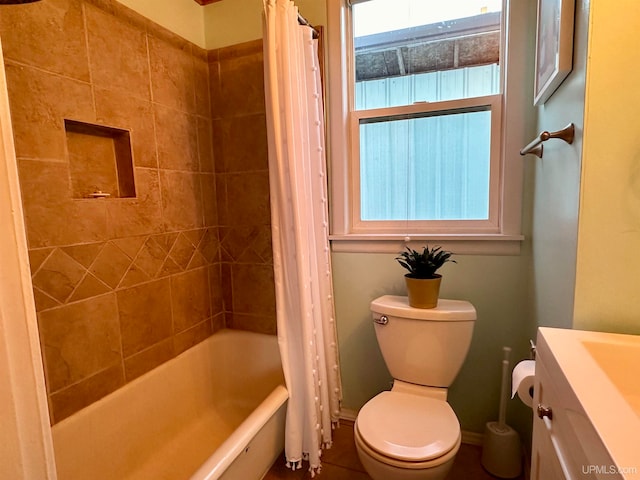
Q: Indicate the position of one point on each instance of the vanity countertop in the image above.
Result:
(603, 370)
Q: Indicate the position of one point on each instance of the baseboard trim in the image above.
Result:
(348, 415)
(472, 438)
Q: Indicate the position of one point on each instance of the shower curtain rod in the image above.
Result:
(304, 21)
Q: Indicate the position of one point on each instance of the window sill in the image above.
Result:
(460, 244)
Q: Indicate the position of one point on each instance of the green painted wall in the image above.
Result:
(557, 192)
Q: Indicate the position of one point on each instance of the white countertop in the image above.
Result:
(603, 369)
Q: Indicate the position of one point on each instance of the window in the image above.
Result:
(417, 131)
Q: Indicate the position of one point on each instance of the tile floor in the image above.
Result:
(341, 462)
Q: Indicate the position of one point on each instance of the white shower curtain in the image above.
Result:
(299, 218)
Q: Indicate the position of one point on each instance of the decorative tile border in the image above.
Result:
(67, 274)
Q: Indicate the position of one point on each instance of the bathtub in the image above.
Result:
(216, 411)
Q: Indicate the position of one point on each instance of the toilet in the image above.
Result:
(411, 432)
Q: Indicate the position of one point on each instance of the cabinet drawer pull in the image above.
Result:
(544, 411)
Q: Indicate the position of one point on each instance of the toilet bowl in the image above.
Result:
(404, 436)
(411, 432)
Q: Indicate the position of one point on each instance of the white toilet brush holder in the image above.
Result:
(501, 450)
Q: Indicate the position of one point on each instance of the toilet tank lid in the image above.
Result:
(446, 311)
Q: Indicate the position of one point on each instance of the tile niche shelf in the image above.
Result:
(100, 161)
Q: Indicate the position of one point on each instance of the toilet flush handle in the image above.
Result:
(382, 320)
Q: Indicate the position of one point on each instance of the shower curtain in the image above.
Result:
(299, 218)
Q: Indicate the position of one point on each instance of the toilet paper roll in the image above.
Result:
(522, 380)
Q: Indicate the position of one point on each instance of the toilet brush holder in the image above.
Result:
(501, 451)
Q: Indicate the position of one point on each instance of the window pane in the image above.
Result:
(410, 51)
(429, 168)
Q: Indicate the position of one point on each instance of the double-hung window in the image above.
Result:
(417, 123)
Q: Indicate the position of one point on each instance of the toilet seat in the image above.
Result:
(408, 428)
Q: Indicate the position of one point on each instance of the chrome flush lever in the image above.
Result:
(383, 320)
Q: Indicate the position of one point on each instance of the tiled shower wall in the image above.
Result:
(242, 186)
(125, 284)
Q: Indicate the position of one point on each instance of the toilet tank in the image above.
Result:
(424, 346)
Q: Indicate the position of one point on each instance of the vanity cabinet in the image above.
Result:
(565, 443)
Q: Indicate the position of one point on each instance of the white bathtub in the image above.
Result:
(214, 412)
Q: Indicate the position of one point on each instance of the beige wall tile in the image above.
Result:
(169, 267)
(261, 244)
(197, 261)
(68, 401)
(188, 338)
(52, 216)
(79, 340)
(151, 257)
(134, 276)
(181, 200)
(247, 197)
(205, 145)
(130, 245)
(49, 35)
(92, 165)
(218, 322)
(215, 90)
(209, 246)
(254, 323)
(145, 315)
(253, 289)
(43, 301)
(110, 265)
(89, 287)
(148, 359)
(243, 144)
(59, 276)
(118, 54)
(209, 199)
(241, 86)
(216, 289)
(245, 49)
(227, 286)
(140, 215)
(172, 75)
(190, 299)
(195, 236)
(84, 254)
(234, 241)
(39, 103)
(201, 85)
(221, 198)
(37, 258)
(182, 251)
(247, 244)
(177, 139)
(117, 109)
(166, 240)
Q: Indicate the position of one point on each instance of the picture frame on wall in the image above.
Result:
(554, 47)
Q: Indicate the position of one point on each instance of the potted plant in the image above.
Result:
(423, 283)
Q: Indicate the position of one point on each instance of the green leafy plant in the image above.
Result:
(424, 264)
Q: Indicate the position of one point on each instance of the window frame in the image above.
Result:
(490, 225)
(503, 234)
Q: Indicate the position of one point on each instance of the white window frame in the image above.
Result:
(513, 110)
(491, 225)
